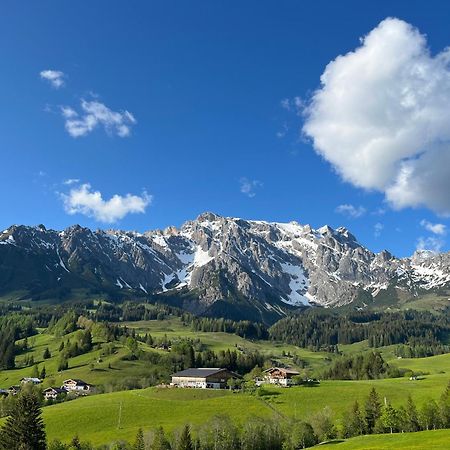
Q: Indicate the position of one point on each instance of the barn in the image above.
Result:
(203, 378)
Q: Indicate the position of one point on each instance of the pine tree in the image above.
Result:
(24, 429)
(139, 443)
(43, 373)
(160, 441)
(411, 416)
(444, 406)
(35, 371)
(373, 409)
(185, 440)
(63, 364)
(47, 354)
(354, 424)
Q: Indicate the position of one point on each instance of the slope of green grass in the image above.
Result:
(174, 329)
(438, 364)
(423, 440)
(108, 417)
(92, 367)
(98, 416)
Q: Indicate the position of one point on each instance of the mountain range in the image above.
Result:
(216, 266)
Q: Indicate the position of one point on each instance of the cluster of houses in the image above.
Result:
(74, 385)
(198, 378)
(217, 378)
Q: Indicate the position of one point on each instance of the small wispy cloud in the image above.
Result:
(71, 181)
(377, 229)
(248, 187)
(350, 210)
(379, 212)
(54, 77)
(83, 200)
(433, 244)
(284, 130)
(435, 228)
(93, 114)
(293, 104)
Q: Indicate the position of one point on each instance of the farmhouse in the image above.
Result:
(280, 376)
(53, 392)
(203, 378)
(74, 384)
(30, 380)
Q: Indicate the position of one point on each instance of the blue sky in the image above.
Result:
(190, 107)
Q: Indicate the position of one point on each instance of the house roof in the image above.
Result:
(281, 369)
(75, 380)
(198, 373)
(31, 380)
(56, 389)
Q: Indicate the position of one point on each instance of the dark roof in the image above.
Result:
(281, 369)
(198, 373)
(56, 389)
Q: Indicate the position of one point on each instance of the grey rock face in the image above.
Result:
(269, 267)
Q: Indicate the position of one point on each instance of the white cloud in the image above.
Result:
(54, 77)
(379, 212)
(94, 114)
(381, 117)
(248, 187)
(433, 244)
(377, 229)
(436, 228)
(351, 211)
(70, 181)
(293, 104)
(282, 133)
(83, 200)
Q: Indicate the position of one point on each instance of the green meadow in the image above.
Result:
(423, 440)
(103, 418)
(100, 419)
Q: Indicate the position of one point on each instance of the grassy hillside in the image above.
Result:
(97, 368)
(118, 415)
(429, 440)
(98, 416)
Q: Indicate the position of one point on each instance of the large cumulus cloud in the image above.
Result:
(381, 117)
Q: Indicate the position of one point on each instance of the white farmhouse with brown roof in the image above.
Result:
(280, 376)
(74, 384)
(52, 393)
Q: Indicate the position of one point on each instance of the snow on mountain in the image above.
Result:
(253, 265)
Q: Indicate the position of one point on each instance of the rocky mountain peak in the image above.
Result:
(214, 265)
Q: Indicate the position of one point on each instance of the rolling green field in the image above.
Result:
(104, 418)
(423, 440)
(98, 416)
(97, 368)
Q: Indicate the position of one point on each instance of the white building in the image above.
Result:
(203, 378)
(280, 376)
(76, 385)
(31, 380)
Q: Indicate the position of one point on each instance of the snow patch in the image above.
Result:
(298, 284)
